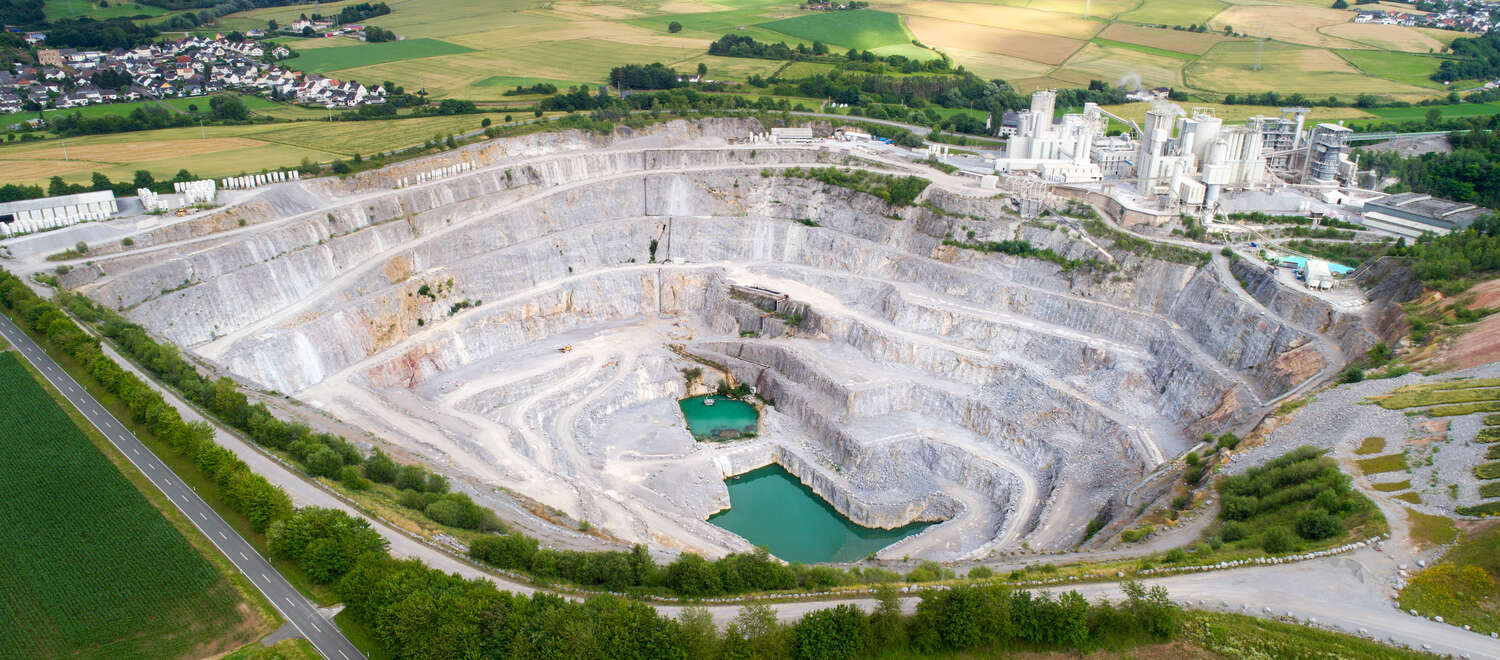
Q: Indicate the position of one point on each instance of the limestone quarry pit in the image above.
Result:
(1007, 397)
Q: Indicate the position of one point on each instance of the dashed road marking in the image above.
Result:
(288, 600)
(222, 536)
(200, 515)
(242, 556)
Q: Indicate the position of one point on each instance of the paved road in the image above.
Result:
(295, 608)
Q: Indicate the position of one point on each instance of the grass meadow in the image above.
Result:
(60, 9)
(348, 57)
(1461, 588)
(863, 29)
(91, 567)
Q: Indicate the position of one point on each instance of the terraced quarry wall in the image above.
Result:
(514, 327)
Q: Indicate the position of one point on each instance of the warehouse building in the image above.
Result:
(29, 215)
(1410, 215)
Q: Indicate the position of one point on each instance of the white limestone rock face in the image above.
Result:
(507, 323)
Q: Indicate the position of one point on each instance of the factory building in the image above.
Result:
(1059, 151)
(1202, 159)
(1177, 158)
(1328, 155)
(1412, 214)
(29, 215)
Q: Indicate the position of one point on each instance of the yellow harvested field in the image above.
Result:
(1239, 113)
(40, 170)
(1391, 37)
(1174, 12)
(1181, 41)
(1029, 85)
(1093, 8)
(991, 65)
(228, 150)
(1120, 66)
(1298, 25)
(591, 10)
(126, 152)
(511, 37)
(1044, 48)
(1008, 18)
(1286, 68)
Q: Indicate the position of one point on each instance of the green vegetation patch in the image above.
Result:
(1431, 530)
(1379, 464)
(1491, 489)
(1493, 453)
(1393, 486)
(61, 9)
(1294, 502)
(318, 60)
(1464, 409)
(1371, 445)
(1448, 111)
(1488, 435)
(1412, 498)
(1403, 398)
(1488, 470)
(1150, 50)
(1491, 420)
(863, 29)
(91, 568)
(897, 191)
(1461, 588)
(1483, 510)
(1241, 636)
(1023, 248)
(1401, 67)
(1145, 248)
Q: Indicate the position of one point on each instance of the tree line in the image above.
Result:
(418, 612)
(1478, 59)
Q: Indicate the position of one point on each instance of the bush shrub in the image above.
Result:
(1277, 540)
(1317, 525)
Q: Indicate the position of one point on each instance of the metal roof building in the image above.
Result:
(1413, 214)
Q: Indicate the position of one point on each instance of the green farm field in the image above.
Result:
(1400, 67)
(121, 109)
(864, 29)
(329, 59)
(91, 568)
(1418, 112)
(58, 9)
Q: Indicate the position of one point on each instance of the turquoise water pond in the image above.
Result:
(726, 419)
(771, 508)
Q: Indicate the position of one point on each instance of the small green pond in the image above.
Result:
(724, 419)
(773, 509)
